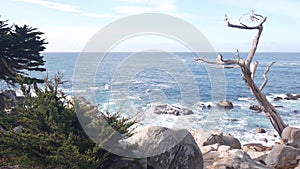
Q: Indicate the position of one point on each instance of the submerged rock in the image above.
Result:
(260, 130)
(226, 104)
(277, 98)
(291, 97)
(256, 108)
(288, 96)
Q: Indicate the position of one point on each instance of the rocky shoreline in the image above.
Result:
(209, 150)
(196, 148)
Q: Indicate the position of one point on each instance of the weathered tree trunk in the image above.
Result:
(248, 70)
(268, 108)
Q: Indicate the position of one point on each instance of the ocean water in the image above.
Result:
(133, 83)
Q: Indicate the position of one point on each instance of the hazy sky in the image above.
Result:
(68, 25)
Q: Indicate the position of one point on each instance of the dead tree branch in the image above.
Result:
(248, 69)
(266, 77)
(254, 17)
(219, 61)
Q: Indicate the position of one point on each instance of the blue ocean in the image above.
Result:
(130, 84)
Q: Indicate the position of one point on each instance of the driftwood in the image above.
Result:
(248, 69)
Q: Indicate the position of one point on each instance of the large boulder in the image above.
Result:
(163, 148)
(221, 139)
(291, 136)
(170, 109)
(226, 104)
(233, 159)
(282, 156)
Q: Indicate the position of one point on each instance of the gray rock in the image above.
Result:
(226, 104)
(164, 148)
(258, 156)
(291, 97)
(277, 98)
(256, 108)
(291, 136)
(223, 148)
(256, 147)
(263, 139)
(18, 129)
(200, 135)
(260, 130)
(170, 109)
(187, 111)
(282, 156)
(4, 96)
(221, 139)
(233, 159)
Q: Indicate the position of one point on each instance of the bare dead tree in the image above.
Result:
(248, 69)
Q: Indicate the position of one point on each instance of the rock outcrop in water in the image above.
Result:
(226, 104)
(256, 108)
(170, 109)
(288, 96)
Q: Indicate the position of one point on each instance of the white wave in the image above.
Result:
(134, 97)
(245, 98)
(94, 88)
(106, 86)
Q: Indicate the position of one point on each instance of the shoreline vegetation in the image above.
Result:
(44, 131)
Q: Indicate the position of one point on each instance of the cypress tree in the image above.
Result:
(20, 52)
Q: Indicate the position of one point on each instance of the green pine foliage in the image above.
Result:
(20, 52)
(50, 134)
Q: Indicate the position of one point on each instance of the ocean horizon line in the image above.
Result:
(162, 52)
